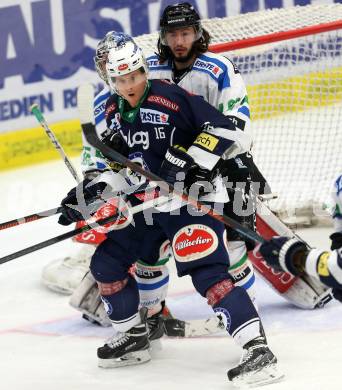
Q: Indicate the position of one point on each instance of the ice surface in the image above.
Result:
(44, 344)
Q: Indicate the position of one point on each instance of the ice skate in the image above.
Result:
(258, 366)
(126, 348)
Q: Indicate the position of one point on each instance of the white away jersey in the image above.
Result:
(216, 79)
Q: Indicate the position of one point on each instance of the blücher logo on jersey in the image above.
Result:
(153, 116)
(194, 242)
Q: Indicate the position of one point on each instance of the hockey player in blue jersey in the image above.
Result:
(293, 256)
(180, 136)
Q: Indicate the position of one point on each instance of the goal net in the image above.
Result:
(291, 61)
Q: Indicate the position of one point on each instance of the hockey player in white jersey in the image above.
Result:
(184, 59)
(293, 256)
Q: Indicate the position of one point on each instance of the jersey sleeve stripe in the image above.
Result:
(102, 98)
(99, 118)
(244, 110)
(202, 157)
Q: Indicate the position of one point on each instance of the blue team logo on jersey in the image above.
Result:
(134, 178)
(224, 318)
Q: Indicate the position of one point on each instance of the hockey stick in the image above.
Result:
(30, 218)
(40, 118)
(134, 210)
(42, 214)
(84, 96)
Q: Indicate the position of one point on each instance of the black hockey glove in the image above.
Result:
(285, 254)
(87, 195)
(115, 141)
(180, 166)
(336, 241)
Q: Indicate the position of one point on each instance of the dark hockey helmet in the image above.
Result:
(178, 16)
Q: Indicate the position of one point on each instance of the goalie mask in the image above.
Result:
(111, 40)
(179, 16)
(124, 59)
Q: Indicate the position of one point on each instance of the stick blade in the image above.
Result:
(85, 98)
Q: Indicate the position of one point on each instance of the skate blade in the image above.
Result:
(130, 359)
(264, 376)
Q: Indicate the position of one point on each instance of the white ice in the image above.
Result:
(44, 344)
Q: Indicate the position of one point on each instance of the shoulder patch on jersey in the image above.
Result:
(163, 102)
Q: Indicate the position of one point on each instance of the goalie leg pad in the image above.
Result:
(65, 274)
(86, 299)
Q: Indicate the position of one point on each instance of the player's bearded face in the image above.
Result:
(131, 86)
(180, 42)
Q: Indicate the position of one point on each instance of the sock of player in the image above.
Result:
(241, 268)
(153, 283)
(235, 309)
(121, 301)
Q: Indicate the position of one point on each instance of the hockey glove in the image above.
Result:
(285, 254)
(87, 194)
(179, 165)
(336, 240)
(115, 141)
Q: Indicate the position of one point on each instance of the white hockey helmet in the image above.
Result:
(110, 40)
(123, 60)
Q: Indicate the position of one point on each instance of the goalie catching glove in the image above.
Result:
(180, 166)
